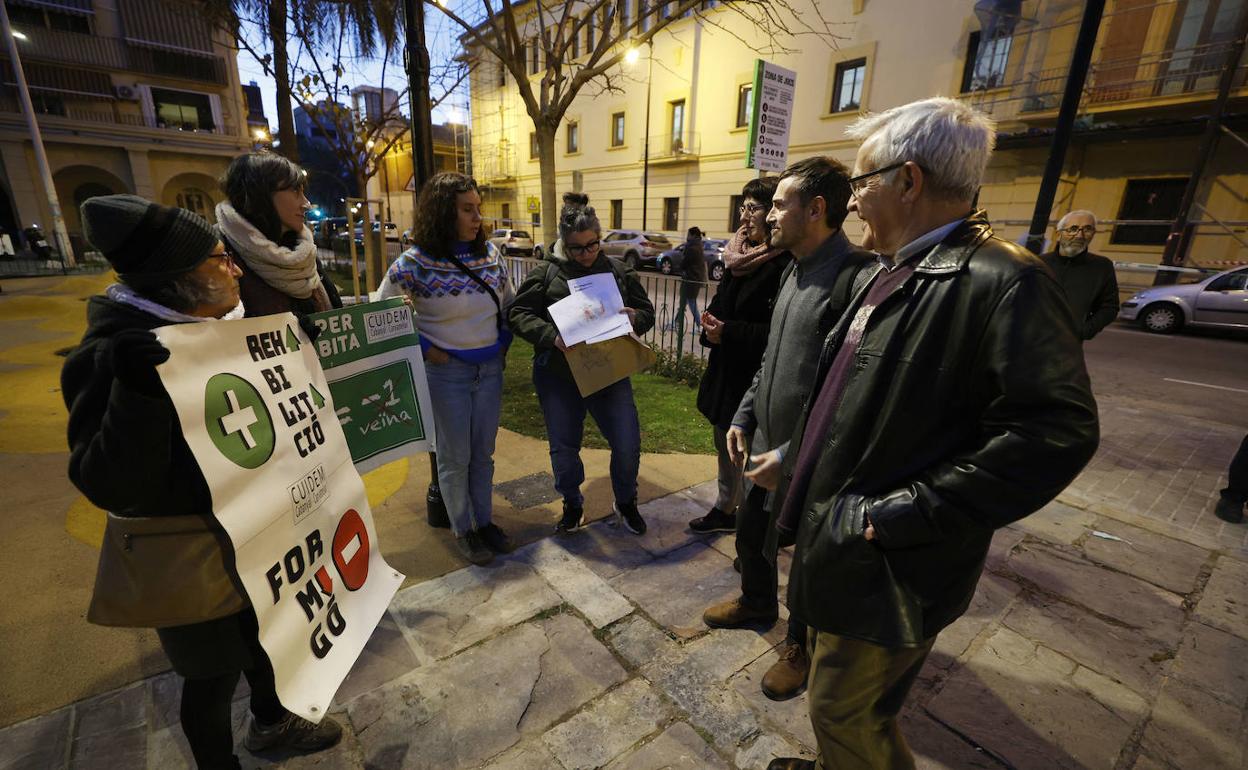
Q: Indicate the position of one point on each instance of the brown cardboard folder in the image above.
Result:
(596, 366)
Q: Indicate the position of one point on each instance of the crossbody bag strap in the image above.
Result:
(483, 284)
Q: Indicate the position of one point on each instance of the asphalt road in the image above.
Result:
(1199, 373)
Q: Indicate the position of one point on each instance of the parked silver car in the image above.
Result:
(1220, 301)
(635, 248)
(513, 242)
(672, 260)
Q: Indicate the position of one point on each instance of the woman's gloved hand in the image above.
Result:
(136, 354)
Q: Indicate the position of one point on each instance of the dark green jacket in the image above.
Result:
(968, 407)
(529, 317)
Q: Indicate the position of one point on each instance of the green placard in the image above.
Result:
(378, 409)
(360, 331)
(756, 99)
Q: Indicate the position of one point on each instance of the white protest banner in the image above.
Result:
(774, 88)
(256, 410)
(372, 359)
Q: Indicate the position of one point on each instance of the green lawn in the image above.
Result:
(670, 420)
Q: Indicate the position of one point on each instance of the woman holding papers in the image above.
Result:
(576, 255)
(459, 286)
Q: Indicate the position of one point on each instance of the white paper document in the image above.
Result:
(593, 312)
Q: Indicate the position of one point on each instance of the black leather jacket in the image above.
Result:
(968, 408)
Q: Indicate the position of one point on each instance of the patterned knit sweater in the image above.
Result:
(454, 312)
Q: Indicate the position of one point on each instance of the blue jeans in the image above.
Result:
(564, 409)
(467, 399)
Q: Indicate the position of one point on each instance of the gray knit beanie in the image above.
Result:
(139, 237)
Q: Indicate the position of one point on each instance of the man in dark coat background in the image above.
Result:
(950, 400)
(1087, 279)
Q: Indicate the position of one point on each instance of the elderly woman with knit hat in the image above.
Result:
(459, 288)
(129, 457)
(262, 223)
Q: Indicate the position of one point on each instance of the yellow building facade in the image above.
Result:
(1154, 75)
(131, 96)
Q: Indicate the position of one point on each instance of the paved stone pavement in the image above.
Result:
(1092, 642)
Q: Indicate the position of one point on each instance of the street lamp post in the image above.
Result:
(631, 58)
(59, 234)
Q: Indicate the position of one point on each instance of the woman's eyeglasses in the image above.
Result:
(576, 249)
(750, 209)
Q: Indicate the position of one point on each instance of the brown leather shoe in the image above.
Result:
(734, 614)
(787, 677)
(790, 763)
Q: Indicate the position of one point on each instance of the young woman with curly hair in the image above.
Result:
(459, 286)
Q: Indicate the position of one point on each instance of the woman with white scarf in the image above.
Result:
(263, 223)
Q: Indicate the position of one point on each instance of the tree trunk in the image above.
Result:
(550, 198)
(289, 146)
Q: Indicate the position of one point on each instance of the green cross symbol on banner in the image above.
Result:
(237, 420)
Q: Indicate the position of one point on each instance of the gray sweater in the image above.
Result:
(799, 322)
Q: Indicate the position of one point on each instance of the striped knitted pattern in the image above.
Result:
(424, 276)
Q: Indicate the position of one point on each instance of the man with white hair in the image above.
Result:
(1087, 279)
(950, 400)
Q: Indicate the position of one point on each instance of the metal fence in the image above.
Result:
(674, 330)
(27, 265)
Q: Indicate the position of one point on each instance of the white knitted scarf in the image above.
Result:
(290, 271)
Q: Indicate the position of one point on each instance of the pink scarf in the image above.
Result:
(742, 258)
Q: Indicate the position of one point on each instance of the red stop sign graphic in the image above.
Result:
(353, 570)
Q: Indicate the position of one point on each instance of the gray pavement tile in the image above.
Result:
(936, 747)
(1225, 603)
(679, 747)
(111, 712)
(1022, 702)
(385, 657)
(609, 726)
(667, 524)
(450, 613)
(529, 754)
(122, 747)
(477, 704)
(1161, 560)
(725, 651)
(992, 596)
(601, 604)
(607, 551)
(1056, 523)
(1154, 611)
(704, 494)
(41, 743)
(640, 642)
(1003, 542)
(1123, 654)
(716, 710)
(1190, 728)
(790, 718)
(1215, 661)
(676, 589)
(759, 752)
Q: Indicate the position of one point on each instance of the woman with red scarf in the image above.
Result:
(735, 327)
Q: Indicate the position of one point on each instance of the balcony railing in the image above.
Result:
(494, 164)
(1178, 72)
(113, 53)
(57, 110)
(674, 148)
